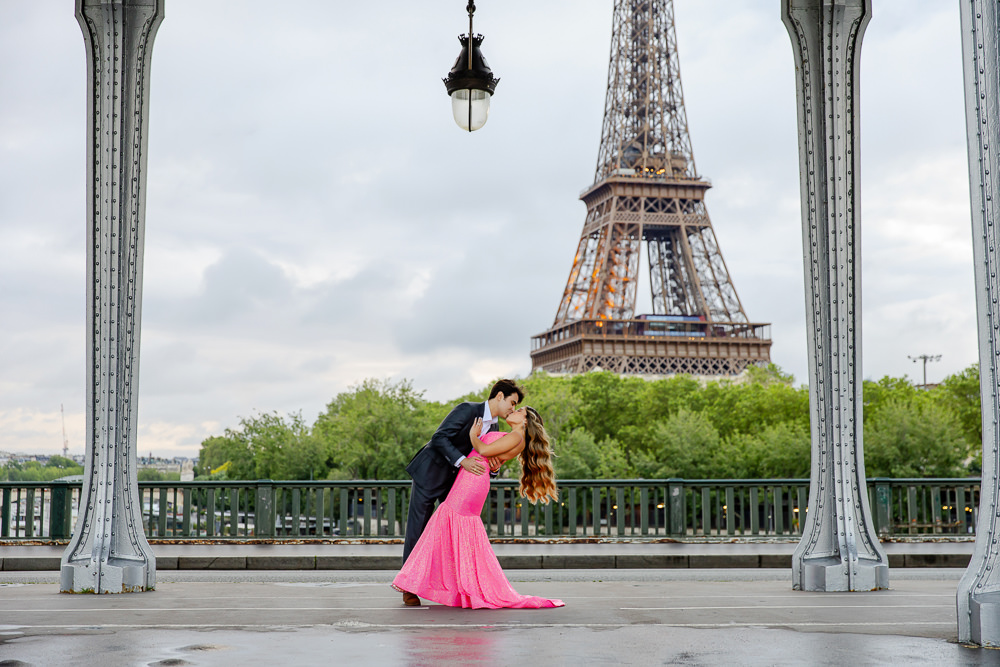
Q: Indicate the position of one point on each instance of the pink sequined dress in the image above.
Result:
(453, 562)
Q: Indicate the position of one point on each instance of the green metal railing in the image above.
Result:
(633, 508)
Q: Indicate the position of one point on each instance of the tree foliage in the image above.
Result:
(264, 446)
(604, 425)
(33, 471)
(372, 431)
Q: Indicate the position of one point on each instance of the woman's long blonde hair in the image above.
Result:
(538, 479)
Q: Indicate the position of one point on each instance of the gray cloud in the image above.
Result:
(314, 217)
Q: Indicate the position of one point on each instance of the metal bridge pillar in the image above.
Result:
(839, 550)
(979, 590)
(108, 552)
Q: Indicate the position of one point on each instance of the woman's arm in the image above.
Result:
(509, 454)
(500, 446)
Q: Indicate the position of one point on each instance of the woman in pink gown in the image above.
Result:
(453, 562)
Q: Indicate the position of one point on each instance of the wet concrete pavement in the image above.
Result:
(693, 617)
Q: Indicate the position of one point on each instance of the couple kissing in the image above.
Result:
(447, 556)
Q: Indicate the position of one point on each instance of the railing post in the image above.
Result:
(186, 517)
(883, 508)
(5, 514)
(620, 513)
(571, 512)
(59, 510)
(643, 510)
(730, 511)
(391, 516)
(264, 511)
(677, 510)
(29, 512)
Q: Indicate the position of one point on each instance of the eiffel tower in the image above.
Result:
(647, 191)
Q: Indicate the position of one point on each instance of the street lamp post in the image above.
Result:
(470, 82)
(925, 358)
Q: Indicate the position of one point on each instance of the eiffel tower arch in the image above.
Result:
(648, 193)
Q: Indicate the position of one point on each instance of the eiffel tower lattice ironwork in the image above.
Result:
(647, 191)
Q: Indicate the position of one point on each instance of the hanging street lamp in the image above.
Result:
(470, 82)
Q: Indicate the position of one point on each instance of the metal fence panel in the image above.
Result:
(595, 508)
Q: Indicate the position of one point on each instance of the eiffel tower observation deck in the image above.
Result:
(647, 192)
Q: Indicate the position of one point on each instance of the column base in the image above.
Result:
(985, 613)
(830, 574)
(117, 575)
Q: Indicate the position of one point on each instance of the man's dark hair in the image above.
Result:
(507, 387)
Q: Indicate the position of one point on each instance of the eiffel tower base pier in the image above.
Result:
(631, 347)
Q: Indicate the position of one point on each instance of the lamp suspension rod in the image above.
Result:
(471, 7)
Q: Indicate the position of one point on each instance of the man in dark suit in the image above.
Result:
(435, 467)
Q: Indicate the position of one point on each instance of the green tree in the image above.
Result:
(786, 451)
(779, 450)
(604, 425)
(763, 398)
(375, 428)
(154, 475)
(576, 455)
(265, 446)
(665, 397)
(63, 463)
(219, 452)
(579, 456)
(555, 399)
(33, 471)
(961, 394)
(878, 393)
(682, 446)
(913, 437)
(609, 404)
(613, 461)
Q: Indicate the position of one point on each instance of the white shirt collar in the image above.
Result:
(488, 417)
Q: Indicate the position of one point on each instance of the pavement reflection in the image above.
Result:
(334, 618)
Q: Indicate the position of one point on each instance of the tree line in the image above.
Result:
(59, 466)
(610, 427)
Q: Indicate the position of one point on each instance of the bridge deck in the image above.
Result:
(747, 617)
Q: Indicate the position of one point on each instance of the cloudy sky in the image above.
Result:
(314, 216)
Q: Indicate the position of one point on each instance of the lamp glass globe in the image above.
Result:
(471, 108)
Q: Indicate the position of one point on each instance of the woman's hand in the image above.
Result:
(477, 428)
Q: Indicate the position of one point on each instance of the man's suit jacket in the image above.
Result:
(433, 467)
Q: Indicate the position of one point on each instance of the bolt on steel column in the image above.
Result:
(979, 590)
(839, 549)
(108, 552)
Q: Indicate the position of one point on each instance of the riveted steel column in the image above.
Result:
(108, 552)
(839, 550)
(979, 590)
